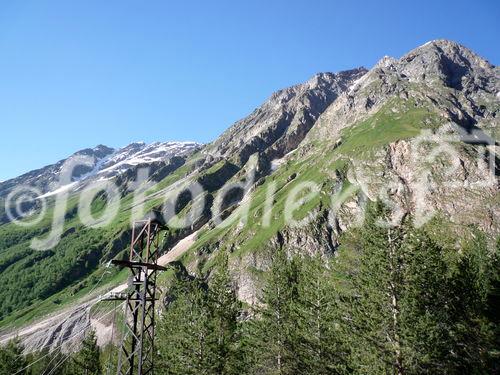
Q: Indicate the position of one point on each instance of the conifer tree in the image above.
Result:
(272, 335)
(410, 305)
(428, 306)
(88, 360)
(224, 311)
(12, 360)
(184, 332)
(474, 280)
(315, 312)
(198, 331)
(371, 303)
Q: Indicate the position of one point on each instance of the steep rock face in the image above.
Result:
(463, 189)
(281, 123)
(461, 89)
(448, 63)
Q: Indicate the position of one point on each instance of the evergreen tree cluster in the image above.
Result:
(393, 300)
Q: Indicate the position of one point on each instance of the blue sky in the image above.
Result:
(74, 74)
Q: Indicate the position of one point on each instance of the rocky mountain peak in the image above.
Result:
(441, 74)
(451, 50)
(386, 62)
(447, 62)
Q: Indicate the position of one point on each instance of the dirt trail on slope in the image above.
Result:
(66, 328)
(180, 248)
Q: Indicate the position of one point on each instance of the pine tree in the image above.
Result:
(428, 306)
(271, 336)
(46, 362)
(448, 330)
(411, 305)
(87, 361)
(198, 332)
(316, 315)
(12, 360)
(184, 332)
(474, 281)
(224, 311)
(371, 280)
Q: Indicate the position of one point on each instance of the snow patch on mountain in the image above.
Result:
(117, 161)
(140, 153)
(59, 190)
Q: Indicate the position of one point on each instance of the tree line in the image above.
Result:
(392, 300)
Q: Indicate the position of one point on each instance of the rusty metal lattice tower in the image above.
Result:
(137, 351)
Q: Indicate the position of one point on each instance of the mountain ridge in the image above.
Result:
(356, 135)
(99, 153)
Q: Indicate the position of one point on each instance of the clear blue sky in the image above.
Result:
(74, 74)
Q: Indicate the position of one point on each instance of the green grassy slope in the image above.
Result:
(324, 165)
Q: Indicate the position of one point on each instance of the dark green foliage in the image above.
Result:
(393, 300)
(493, 307)
(371, 275)
(224, 311)
(272, 335)
(182, 335)
(28, 275)
(11, 359)
(475, 280)
(411, 306)
(197, 333)
(295, 331)
(316, 315)
(87, 361)
(47, 363)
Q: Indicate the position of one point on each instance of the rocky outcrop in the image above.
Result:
(282, 122)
